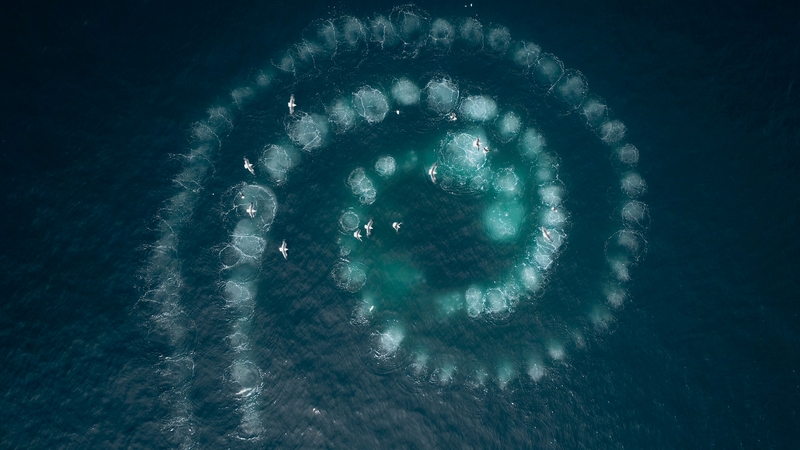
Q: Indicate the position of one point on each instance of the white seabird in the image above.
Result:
(251, 211)
(485, 149)
(368, 227)
(432, 173)
(546, 234)
(357, 234)
(249, 166)
(396, 226)
(291, 104)
(284, 249)
(452, 117)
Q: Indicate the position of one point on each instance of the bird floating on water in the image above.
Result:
(485, 149)
(249, 166)
(432, 173)
(396, 226)
(477, 142)
(284, 249)
(546, 234)
(357, 234)
(291, 104)
(251, 211)
(368, 227)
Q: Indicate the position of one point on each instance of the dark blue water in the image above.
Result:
(100, 107)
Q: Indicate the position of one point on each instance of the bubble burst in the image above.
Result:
(479, 149)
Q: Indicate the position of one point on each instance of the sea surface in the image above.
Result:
(616, 269)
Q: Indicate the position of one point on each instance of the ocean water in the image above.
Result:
(614, 269)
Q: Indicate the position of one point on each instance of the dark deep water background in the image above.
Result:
(705, 356)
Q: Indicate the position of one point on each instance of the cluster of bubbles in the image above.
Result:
(462, 163)
(514, 196)
(253, 207)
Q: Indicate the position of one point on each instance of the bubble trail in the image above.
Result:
(241, 260)
(168, 324)
(511, 182)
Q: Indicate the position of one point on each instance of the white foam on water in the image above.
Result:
(509, 126)
(362, 186)
(250, 427)
(478, 108)
(349, 276)
(471, 32)
(532, 144)
(247, 239)
(548, 70)
(365, 310)
(612, 131)
(385, 166)
(241, 95)
(263, 200)
(536, 370)
(635, 214)
(496, 301)
(442, 34)
(600, 317)
(389, 340)
(477, 378)
(475, 301)
(556, 351)
(263, 80)
(572, 88)
(238, 341)
(342, 115)
(632, 242)
(461, 164)
(620, 269)
(525, 54)
(615, 296)
(551, 195)
(309, 132)
(405, 92)
(305, 54)
(507, 183)
(633, 185)
(285, 63)
(383, 33)
(371, 104)
(328, 36)
(628, 154)
(595, 112)
(444, 374)
(498, 40)
(353, 34)
(506, 372)
(442, 95)
(529, 277)
(246, 378)
(554, 219)
(411, 25)
(419, 365)
(278, 160)
(349, 221)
